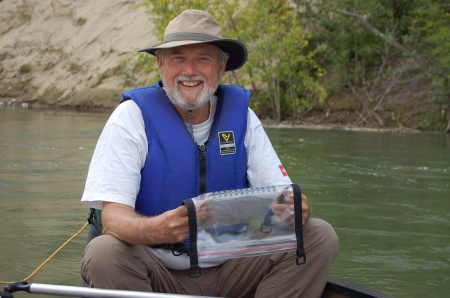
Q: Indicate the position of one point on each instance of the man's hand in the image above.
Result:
(124, 223)
(285, 210)
(175, 224)
(170, 227)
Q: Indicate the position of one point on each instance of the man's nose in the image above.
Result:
(190, 67)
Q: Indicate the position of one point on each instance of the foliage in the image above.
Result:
(430, 23)
(372, 43)
(343, 45)
(281, 70)
(25, 68)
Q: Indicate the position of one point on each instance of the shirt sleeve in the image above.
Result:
(264, 168)
(115, 170)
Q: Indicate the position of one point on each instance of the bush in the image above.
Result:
(25, 68)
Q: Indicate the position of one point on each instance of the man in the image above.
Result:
(162, 145)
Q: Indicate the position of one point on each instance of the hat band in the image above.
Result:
(188, 36)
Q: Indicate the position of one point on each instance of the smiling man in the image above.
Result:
(183, 136)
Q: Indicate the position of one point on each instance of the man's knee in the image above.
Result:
(113, 264)
(102, 254)
(320, 234)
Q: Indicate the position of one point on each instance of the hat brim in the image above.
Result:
(234, 48)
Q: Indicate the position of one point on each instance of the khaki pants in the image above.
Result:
(113, 264)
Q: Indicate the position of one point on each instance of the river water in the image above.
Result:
(386, 194)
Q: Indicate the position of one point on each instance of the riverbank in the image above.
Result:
(71, 55)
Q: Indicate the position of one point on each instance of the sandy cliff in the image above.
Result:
(67, 52)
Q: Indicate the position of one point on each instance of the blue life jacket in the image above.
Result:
(172, 170)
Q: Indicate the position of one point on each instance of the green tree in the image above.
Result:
(281, 67)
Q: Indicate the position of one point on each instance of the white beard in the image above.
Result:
(187, 102)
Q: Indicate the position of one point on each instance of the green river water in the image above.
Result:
(387, 195)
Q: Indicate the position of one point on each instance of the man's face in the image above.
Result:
(190, 74)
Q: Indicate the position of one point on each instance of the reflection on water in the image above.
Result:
(386, 194)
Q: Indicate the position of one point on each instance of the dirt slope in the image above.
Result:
(66, 52)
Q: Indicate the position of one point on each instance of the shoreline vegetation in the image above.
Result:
(81, 55)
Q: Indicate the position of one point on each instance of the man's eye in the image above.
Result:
(178, 58)
(204, 59)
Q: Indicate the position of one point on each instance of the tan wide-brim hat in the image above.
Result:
(196, 27)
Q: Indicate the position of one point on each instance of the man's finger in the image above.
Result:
(182, 211)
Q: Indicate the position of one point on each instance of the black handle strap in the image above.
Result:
(298, 224)
(194, 268)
